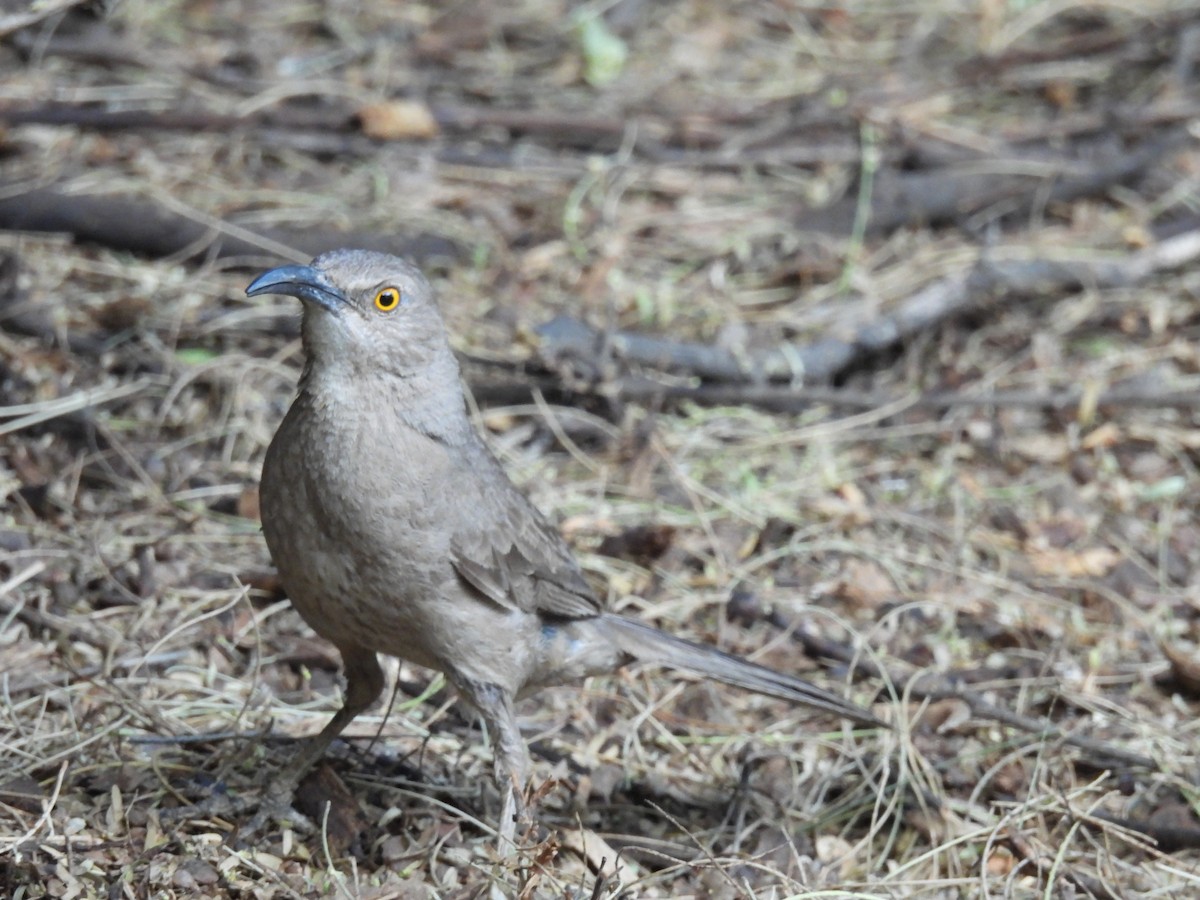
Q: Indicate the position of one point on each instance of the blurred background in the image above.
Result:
(858, 338)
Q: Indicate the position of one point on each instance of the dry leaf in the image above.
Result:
(864, 584)
(599, 855)
(837, 508)
(1185, 667)
(642, 544)
(946, 716)
(397, 120)
(1040, 447)
(836, 853)
(1104, 436)
(1094, 562)
(1000, 862)
(247, 504)
(325, 799)
(853, 495)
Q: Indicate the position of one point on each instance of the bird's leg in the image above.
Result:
(512, 765)
(364, 684)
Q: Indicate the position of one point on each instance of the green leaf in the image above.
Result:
(1165, 489)
(604, 53)
(195, 356)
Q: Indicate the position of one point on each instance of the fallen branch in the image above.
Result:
(1167, 837)
(137, 225)
(569, 344)
(489, 387)
(952, 194)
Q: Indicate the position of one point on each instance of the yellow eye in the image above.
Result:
(387, 299)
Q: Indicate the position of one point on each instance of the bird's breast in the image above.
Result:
(349, 501)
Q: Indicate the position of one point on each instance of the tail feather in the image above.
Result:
(649, 645)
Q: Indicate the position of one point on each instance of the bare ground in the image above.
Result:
(1008, 572)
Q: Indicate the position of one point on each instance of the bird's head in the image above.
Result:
(364, 312)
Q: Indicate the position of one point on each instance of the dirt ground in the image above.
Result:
(945, 461)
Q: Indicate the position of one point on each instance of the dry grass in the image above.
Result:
(1051, 560)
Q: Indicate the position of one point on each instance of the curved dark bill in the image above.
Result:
(302, 282)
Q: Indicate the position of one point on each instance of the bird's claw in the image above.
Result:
(275, 806)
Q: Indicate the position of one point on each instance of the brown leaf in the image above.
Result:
(1185, 667)
(397, 120)
(1000, 862)
(1059, 532)
(847, 514)
(853, 495)
(599, 855)
(247, 504)
(1102, 437)
(265, 580)
(1040, 447)
(949, 715)
(1011, 779)
(344, 821)
(642, 544)
(1092, 562)
(124, 312)
(865, 585)
(1061, 93)
(456, 30)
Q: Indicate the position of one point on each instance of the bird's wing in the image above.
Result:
(510, 553)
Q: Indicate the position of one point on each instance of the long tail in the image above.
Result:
(651, 646)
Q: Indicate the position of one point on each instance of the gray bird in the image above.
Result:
(396, 530)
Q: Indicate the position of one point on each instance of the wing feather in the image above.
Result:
(510, 553)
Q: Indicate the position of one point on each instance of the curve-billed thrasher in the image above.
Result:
(396, 531)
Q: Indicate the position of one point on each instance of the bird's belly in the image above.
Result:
(344, 604)
(404, 601)
(349, 584)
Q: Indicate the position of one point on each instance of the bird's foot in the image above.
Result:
(217, 806)
(276, 807)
